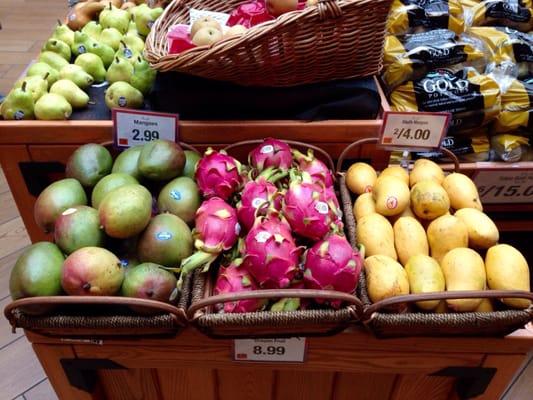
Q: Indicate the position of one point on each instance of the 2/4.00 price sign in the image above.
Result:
(505, 186)
(270, 350)
(135, 128)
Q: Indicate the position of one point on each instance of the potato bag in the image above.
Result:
(517, 107)
(516, 14)
(510, 148)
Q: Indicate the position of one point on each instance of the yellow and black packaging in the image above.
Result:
(517, 14)
(467, 148)
(472, 98)
(411, 16)
(517, 108)
(510, 148)
(418, 53)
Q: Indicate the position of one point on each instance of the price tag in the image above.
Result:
(503, 186)
(270, 350)
(135, 128)
(413, 130)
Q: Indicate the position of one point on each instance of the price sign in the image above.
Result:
(413, 130)
(503, 186)
(270, 350)
(135, 128)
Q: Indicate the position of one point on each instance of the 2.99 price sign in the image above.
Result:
(135, 128)
(505, 186)
(270, 350)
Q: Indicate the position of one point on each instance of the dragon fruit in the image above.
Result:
(218, 174)
(309, 208)
(270, 253)
(318, 171)
(271, 153)
(216, 230)
(232, 279)
(332, 264)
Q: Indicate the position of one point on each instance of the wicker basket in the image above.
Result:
(412, 323)
(312, 322)
(336, 39)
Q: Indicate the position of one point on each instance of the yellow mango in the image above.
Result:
(485, 306)
(423, 170)
(444, 234)
(442, 308)
(463, 269)
(409, 239)
(364, 205)
(391, 195)
(405, 213)
(462, 191)
(360, 178)
(425, 275)
(507, 269)
(429, 200)
(385, 278)
(482, 231)
(375, 232)
(397, 171)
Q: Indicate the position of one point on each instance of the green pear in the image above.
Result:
(133, 41)
(76, 74)
(127, 53)
(44, 70)
(52, 106)
(82, 43)
(18, 104)
(122, 94)
(132, 28)
(92, 29)
(71, 92)
(111, 37)
(105, 52)
(35, 84)
(113, 17)
(120, 70)
(93, 65)
(59, 47)
(145, 18)
(63, 33)
(53, 59)
(143, 76)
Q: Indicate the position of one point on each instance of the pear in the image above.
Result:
(52, 106)
(112, 17)
(76, 74)
(133, 41)
(82, 43)
(53, 59)
(72, 93)
(132, 28)
(127, 53)
(111, 37)
(120, 70)
(93, 65)
(93, 30)
(143, 76)
(18, 104)
(63, 33)
(44, 70)
(145, 17)
(36, 85)
(122, 94)
(103, 51)
(59, 47)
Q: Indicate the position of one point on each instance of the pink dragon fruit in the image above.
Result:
(270, 253)
(218, 174)
(309, 208)
(232, 279)
(216, 230)
(332, 264)
(271, 153)
(319, 172)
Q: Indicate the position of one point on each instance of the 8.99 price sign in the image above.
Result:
(505, 186)
(135, 128)
(270, 350)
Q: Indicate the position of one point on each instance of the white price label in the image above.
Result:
(413, 130)
(270, 350)
(135, 128)
(505, 186)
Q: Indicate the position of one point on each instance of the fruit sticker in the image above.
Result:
(163, 236)
(69, 211)
(175, 194)
(82, 49)
(124, 263)
(122, 102)
(392, 202)
(257, 202)
(237, 229)
(128, 53)
(262, 237)
(322, 207)
(267, 149)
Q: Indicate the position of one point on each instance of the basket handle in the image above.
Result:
(459, 294)
(177, 314)
(275, 294)
(363, 141)
(328, 9)
(182, 144)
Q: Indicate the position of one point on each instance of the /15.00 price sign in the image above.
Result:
(270, 350)
(505, 186)
(135, 128)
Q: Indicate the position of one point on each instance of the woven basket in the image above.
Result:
(336, 39)
(412, 323)
(313, 322)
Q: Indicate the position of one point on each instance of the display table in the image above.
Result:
(350, 365)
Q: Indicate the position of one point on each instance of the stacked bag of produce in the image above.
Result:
(100, 42)
(473, 59)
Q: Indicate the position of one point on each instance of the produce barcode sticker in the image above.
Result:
(135, 128)
(270, 350)
(413, 130)
(504, 186)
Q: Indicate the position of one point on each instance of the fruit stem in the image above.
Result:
(23, 87)
(298, 155)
